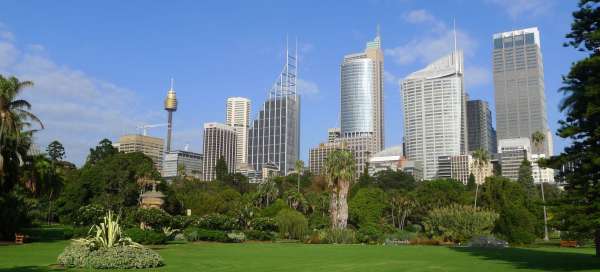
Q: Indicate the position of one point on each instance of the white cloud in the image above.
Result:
(308, 88)
(516, 8)
(477, 76)
(420, 16)
(76, 109)
(389, 77)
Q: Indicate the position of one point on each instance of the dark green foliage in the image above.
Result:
(263, 224)
(217, 222)
(193, 234)
(439, 193)
(516, 224)
(369, 234)
(259, 235)
(89, 215)
(181, 221)
(146, 237)
(119, 257)
(367, 206)
(207, 197)
(56, 150)
(459, 223)
(273, 209)
(525, 175)
(291, 224)
(221, 170)
(103, 150)
(471, 182)
(153, 218)
(44, 234)
(338, 236)
(12, 215)
(388, 179)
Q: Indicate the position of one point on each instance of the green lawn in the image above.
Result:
(300, 257)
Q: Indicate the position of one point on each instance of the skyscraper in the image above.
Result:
(170, 107)
(151, 146)
(190, 161)
(361, 95)
(480, 130)
(219, 142)
(274, 136)
(519, 86)
(238, 117)
(433, 106)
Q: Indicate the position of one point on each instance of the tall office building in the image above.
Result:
(238, 117)
(333, 134)
(219, 142)
(362, 95)
(317, 156)
(150, 146)
(274, 136)
(512, 153)
(519, 86)
(434, 115)
(190, 161)
(480, 130)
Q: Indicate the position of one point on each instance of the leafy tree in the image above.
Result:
(389, 179)
(471, 182)
(340, 168)
(459, 223)
(440, 193)
(299, 167)
(525, 175)
(291, 224)
(221, 170)
(401, 205)
(103, 150)
(481, 159)
(367, 206)
(579, 164)
(56, 151)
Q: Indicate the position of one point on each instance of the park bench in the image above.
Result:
(568, 243)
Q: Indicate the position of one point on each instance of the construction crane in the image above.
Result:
(145, 128)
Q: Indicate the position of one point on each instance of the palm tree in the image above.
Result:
(299, 166)
(481, 159)
(340, 168)
(15, 136)
(538, 139)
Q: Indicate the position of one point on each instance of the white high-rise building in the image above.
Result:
(219, 142)
(238, 117)
(434, 115)
(519, 86)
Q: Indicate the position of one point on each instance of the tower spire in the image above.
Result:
(378, 31)
(454, 32)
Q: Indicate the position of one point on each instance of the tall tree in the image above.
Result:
(103, 150)
(56, 151)
(525, 177)
(221, 170)
(299, 167)
(340, 168)
(537, 138)
(481, 160)
(579, 163)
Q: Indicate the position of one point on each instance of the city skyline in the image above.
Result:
(140, 84)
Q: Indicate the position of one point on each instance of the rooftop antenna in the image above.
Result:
(455, 53)
(378, 31)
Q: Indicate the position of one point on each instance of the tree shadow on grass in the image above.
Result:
(524, 258)
(29, 269)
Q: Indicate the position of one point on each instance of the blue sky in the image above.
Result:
(101, 68)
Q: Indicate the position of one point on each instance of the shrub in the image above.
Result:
(48, 233)
(369, 234)
(263, 224)
(457, 223)
(197, 234)
(402, 235)
(236, 237)
(217, 222)
(89, 215)
(146, 237)
(79, 232)
(291, 224)
(487, 241)
(273, 209)
(259, 235)
(118, 257)
(153, 218)
(319, 221)
(367, 206)
(338, 236)
(181, 221)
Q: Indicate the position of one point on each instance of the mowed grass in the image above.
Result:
(300, 257)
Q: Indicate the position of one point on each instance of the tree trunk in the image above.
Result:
(50, 207)
(343, 204)
(333, 210)
(393, 217)
(597, 242)
(476, 192)
(546, 238)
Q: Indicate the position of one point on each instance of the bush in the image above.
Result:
(457, 223)
(369, 234)
(367, 206)
(181, 221)
(89, 215)
(273, 209)
(338, 236)
(48, 233)
(401, 235)
(259, 235)
(119, 257)
(217, 222)
(153, 218)
(263, 224)
(291, 224)
(487, 241)
(197, 234)
(79, 232)
(236, 237)
(146, 237)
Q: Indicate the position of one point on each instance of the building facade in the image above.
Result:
(512, 153)
(219, 142)
(274, 136)
(519, 86)
(151, 146)
(361, 102)
(540, 174)
(333, 134)
(238, 117)
(190, 161)
(317, 156)
(479, 124)
(434, 115)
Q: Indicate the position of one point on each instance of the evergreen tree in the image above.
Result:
(56, 151)
(579, 163)
(221, 170)
(471, 182)
(103, 150)
(525, 175)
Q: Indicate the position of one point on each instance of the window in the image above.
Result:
(529, 39)
(498, 43)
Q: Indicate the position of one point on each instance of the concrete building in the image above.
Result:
(219, 142)
(333, 134)
(361, 148)
(460, 167)
(238, 117)
(361, 95)
(317, 156)
(512, 153)
(540, 174)
(519, 86)
(151, 146)
(190, 161)
(434, 112)
(274, 136)
(392, 158)
(479, 124)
